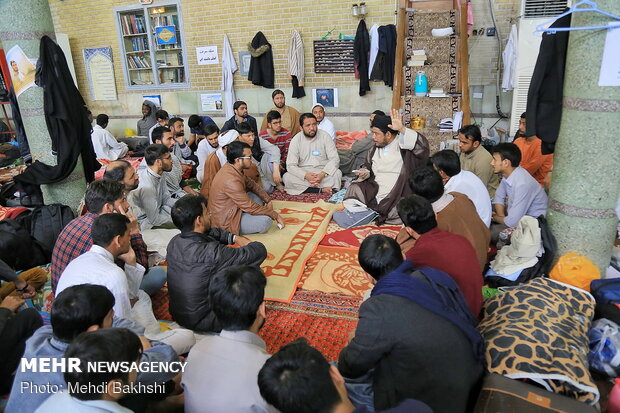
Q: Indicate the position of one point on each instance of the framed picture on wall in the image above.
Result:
(244, 63)
(328, 97)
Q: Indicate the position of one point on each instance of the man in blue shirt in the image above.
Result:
(197, 125)
(518, 194)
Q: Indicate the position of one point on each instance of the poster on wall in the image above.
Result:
(156, 99)
(244, 62)
(328, 97)
(100, 72)
(21, 68)
(166, 35)
(207, 55)
(211, 102)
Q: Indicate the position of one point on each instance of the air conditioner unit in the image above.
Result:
(533, 13)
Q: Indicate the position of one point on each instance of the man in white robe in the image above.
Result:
(323, 123)
(104, 143)
(312, 161)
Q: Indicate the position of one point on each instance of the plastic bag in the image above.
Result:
(129, 132)
(604, 354)
(575, 269)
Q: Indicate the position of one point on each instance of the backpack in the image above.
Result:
(18, 249)
(46, 222)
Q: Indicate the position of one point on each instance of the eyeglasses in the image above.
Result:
(244, 157)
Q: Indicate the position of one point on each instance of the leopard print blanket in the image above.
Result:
(539, 332)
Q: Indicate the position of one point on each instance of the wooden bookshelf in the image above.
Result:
(146, 62)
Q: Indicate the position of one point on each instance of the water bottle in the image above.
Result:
(421, 84)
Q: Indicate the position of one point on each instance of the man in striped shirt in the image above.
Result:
(277, 135)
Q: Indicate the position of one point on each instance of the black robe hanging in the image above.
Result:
(361, 50)
(261, 71)
(67, 123)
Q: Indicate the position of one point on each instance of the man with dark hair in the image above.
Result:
(323, 123)
(382, 179)
(115, 345)
(181, 149)
(290, 116)
(415, 338)
(217, 159)
(194, 256)
(240, 108)
(237, 203)
(152, 198)
(277, 135)
(356, 156)
(110, 233)
(222, 370)
(177, 186)
(78, 309)
(197, 124)
(123, 172)
(102, 197)
(443, 250)
(162, 118)
(206, 147)
(455, 179)
(265, 156)
(105, 145)
(518, 194)
(312, 161)
(298, 379)
(475, 158)
(532, 159)
(455, 213)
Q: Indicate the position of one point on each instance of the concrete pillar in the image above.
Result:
(586, 172)
(24, 22)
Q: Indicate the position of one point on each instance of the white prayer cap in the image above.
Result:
(227, 137)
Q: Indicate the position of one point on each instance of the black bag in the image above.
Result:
(18, 249)
(47, 222)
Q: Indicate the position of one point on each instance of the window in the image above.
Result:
(152, 46)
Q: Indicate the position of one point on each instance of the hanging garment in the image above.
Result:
(361, 49)
(386, 57)
(509, 56)
(67, 123)
(296, 64)
(374, 47)
(544, 98)
(261, 64)
(228, 68)
(20, 132)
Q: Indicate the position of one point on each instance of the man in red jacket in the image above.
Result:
(442, 250)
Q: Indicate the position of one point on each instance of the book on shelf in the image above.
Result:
(437, 92)
(133, 24)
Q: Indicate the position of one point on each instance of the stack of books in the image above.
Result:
(445, 125)
(418, 58)
(437, 92)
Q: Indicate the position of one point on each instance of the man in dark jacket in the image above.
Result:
(241, 115)
(415, 336)
(194, 256)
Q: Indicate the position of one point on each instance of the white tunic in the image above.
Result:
(469, 184)
(106, 146)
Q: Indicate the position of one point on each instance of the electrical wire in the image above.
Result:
(499, 59)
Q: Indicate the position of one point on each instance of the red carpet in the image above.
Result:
(322, 318)
(353, 237)
(310, 198)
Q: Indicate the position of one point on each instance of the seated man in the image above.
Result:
(518, 194)
(298, 379)
(475, 158)
(148, 118)
(455, 179)
(415, 332)
(397, 152)
(117, 345)
(355, 157)
(222, 370)
(217, 159)
(111, 234)
(277, 135)
(152, 199)
(442, 250)
(162, 118)
(324, 124)
(76, 310)
(181, 148)
(124, 173)
(197, 125)
(206, 147)
(194, 256)
(532, 159)
(312, 161)
(236, 202)
(240, 108)
(15, 327)
(265, 156)
(105, 145)
(455, 213)
(103, 197)
(290, 115)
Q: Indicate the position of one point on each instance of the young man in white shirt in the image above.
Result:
(324, 124)
(105, 145)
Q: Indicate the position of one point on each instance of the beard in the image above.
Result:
(181, 134)
(212, 145)
(311, 134)
(280, 105)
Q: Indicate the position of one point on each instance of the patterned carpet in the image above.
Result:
(353, 237)
(309, 198)
(324, 319)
